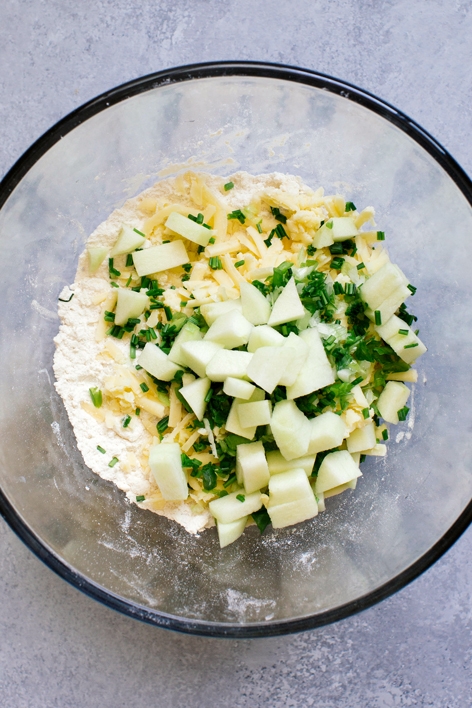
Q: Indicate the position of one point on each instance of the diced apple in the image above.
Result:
(129, 304)
(232, 424)
(256, 307)
(328, 430)
(320, 498)
(228, 509)
(264, 336)
(166, 466)
(390, 333)
(189, 333)
(323, 237)
(212, 310)
(238, 388)
(287, 307)
(227, 363)
(251, 467)
(291, 513)
(291, 429)
(277, 463)
(159, 258)
(128, 240)
(268, 365)
(189, 229)
(379, 450)
(343, 228)
(96, 256)
(291, 499)
(390, 305)
(337, 468)
(254, 414)
(228, 533)
(338, 490)
(392, 399)
(157, 363)
(316, 372)
(382, 284)
(194, 393)
(230, 330)
(198, 354)
(299, 351)
(362, 438)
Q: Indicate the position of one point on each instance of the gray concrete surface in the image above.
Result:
(58, 648)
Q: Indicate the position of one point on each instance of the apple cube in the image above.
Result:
(198, 354)
(291, 429)
(189, 229)
(268, 365)
(228, 533)
(343, 228)
(238, 388)
(277, 463)
(256, 307)
(212, 310)
(233, 425)
(228, 509)
(96, 256)
(323, 237)
(128, 240)
(159, 258)
(227, 363)
(264, 336)
(382, 284)
(291, 513)
(129, 304)
(254, 414)
(392, 399)
(287, 307)
(230, 330)
(337, 468)
(195, 393)
(362, 438)
(328, 430)
(166, 466)
(189, 333)
(157, 363)
(390, 334)
(299, 352)
(316, 371)
(251, 467)
(390, 304)
(291, 499)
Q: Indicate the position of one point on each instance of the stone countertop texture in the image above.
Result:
(59, 648)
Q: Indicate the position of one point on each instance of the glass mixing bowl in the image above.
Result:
(407, 509)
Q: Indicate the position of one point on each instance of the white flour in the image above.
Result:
(80, 362)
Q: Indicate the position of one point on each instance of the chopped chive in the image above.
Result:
(101, 449)
(200, 249)
(129, 260)
(410, 346)
(350, 289)
(112, 270)
(337, 263)
(310, 250)
(137, 411)
(109, 316)
(362, 459)
(187, 267)
(228, 186)
(68, 300)
(144, 387)
(402, 413)
(378, 317)
(208, 396)
(128, 282)
(132, 351)
(138, 367)
(366, 413)
(354, 251)
(403, 331)
(239, 264)
(280, 231)
(380, 235)
(278, 215)
(126, 421)
(215, 263)
(385, 434)
(338, 288)
(192, 217)
(329, 225)
(240, 497)
(360, 266)
(412, 289)
(356, 381)
(200, 218)
(96, 396)
(350, 206)
(168, 312)
(113, 462)
(259, 227)
(417, 331)
(237, 214)
(162, 425)
(140, 233)
(211, 240)
(230, 480)
(114, 285)
(140, 498)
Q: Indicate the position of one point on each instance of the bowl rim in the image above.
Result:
(191, 72)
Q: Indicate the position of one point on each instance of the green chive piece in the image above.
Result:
(114, 285)
(384, 434)
(378, 317)
(138, 367)
(101, 449)
(113, 462)
(362, 458)
(360, 266)
(237, 214)
(365, 413)
(61, 299)
(412, 289)
(329, 225)
(338, 288)
(228, 186)
(163, 425)
(144, 387)
(410, 346)
(350, 206)
(417, 331)
(380, 235)
(403, 331)
(259, 226)
(137, 411)
(128, 282)
(239, 264)
(356, 381)
(215, 263)
(96, 396)
(212, 240)
(240, 497)
(140, 233)
(129, 260)
(141, 498)
(126, 421)
(402, 413)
